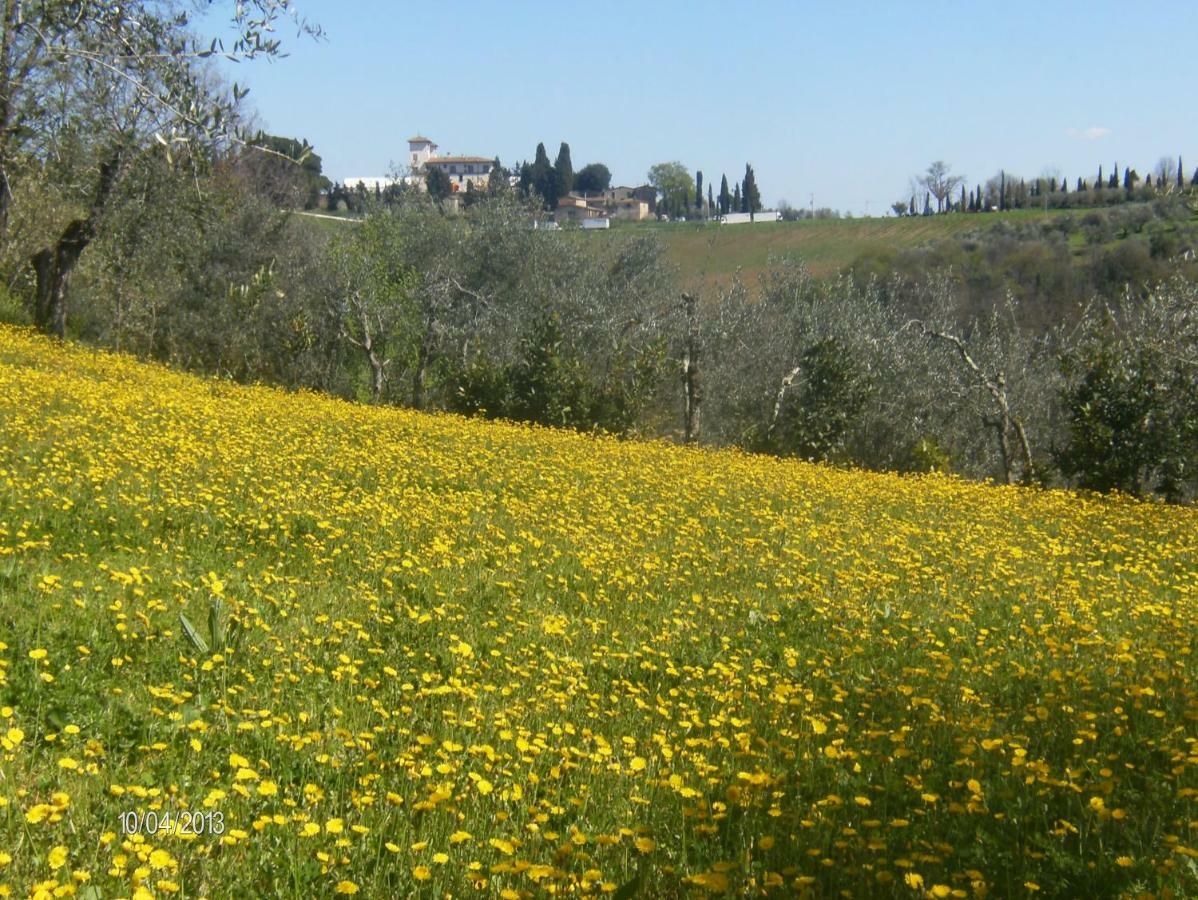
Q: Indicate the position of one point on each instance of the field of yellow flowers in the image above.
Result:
(259, 644)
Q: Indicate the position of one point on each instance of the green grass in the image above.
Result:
(708, 255)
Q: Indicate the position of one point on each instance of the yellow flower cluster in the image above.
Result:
(261, 643)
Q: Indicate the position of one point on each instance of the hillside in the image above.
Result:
(427, 654)
(710, 254)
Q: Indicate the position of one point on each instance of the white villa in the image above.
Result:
(462, 170)
(423, 154)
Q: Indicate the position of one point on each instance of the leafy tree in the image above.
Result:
(593, 178)
(815, 421)
(1121, 434)
(673, 182)
(290, 164)
(88, 90)
(750, 197)
(373, 304)
(563, 172)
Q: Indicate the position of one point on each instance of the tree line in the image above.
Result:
(166, 237)
(938, 190)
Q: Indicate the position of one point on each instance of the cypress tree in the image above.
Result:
(1098, 184)
(563, 173)
(1181, 182)
(1127, 178)
(698, 189)
(750, 197)
(911, 208)
(1064, 185)
(710, 200)
(1113, 181)
(927, 203)
(1148, 180)
(961, 208)
(725, 196)
(1081, 185)
(1002, 190)
(543, 179)
(1194, 180)
(736, 201)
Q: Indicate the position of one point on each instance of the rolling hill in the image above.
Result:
(275, 644)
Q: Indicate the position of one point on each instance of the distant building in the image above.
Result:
(574, 209)
(423, 154)
(462, 170)
(420, 150)
(620, 203)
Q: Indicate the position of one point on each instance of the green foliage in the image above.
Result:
(497, 180)
(815, 420)
(725, 197)
(673, 182)
(438, 183)
(287, 161)
(926, 455)
(592, 178)
(547, 384)
(750, 196)
(12, 311)
(1132, 421)
(563, 171)
(543, 179)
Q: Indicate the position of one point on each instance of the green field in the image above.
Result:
(710, 254)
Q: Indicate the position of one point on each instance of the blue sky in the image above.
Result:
(844, 101)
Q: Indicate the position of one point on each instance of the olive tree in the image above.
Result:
(88, 89)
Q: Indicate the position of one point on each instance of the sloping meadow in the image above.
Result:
(258, 644)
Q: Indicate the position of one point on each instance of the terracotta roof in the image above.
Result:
(420, 139)
(437, 160)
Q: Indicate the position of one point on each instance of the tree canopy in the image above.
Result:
(673, 182)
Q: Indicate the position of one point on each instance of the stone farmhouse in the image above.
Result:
(614, 203)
